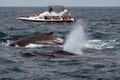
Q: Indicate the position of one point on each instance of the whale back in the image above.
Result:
(52, 53)
(33, 39)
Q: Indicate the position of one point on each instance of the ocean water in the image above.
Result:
(100, 58)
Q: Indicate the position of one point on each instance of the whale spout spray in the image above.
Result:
(75, 40)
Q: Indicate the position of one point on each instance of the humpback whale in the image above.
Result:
(51, 54)
(44, 38)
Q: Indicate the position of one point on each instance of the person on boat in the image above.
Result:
(66, 18)
(47, 13)
(52, 12)
(50, 9)
(28, 14)
(34, 14)
(64, 10)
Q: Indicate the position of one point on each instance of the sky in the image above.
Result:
(71, 3)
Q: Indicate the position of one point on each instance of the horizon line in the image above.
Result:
(59, 5)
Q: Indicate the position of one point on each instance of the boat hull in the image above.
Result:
(43, 20)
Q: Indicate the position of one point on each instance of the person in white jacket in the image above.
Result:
(64, 10)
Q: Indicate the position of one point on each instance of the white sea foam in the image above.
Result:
(6, 43)
(33, 45)
(101, 44)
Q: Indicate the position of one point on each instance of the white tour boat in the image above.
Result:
(48, 16)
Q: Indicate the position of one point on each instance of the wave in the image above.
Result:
(99, 35)
(2, 34)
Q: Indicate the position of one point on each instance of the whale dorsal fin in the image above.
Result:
(50, 33)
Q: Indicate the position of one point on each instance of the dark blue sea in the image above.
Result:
(100, 58)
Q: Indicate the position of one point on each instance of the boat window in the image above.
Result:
(46, 17)
(52, 17)
(40, 17)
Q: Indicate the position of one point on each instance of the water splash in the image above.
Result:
(76, 39)
(6, 43)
